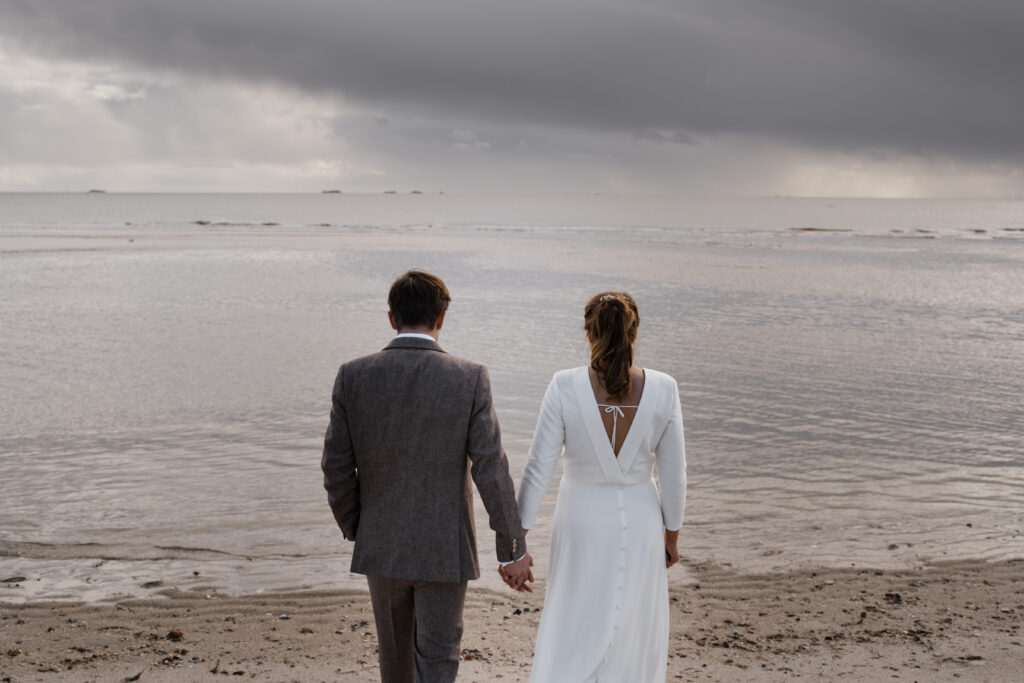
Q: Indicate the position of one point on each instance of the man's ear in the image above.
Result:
(440, 322)
(391, 319)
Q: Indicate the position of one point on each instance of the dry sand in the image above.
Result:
(958, 621)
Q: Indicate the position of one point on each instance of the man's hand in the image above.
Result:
(518, 574)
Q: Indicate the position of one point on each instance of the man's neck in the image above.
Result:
(419, 330)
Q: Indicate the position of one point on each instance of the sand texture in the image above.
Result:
(958, 621)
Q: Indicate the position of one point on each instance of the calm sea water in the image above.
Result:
(851, 371)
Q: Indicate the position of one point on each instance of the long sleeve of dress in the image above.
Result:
(546, 449)
(671, 458)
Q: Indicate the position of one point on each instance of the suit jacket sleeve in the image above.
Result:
(341, 476)
(490, 473)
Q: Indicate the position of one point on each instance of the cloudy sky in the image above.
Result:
(802, 97)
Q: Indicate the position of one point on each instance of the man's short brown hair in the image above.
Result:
(418, 298)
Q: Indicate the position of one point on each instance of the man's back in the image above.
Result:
(406, 419)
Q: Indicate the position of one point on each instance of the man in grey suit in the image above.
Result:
(409, 427)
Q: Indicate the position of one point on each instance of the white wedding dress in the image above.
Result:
(605, 615)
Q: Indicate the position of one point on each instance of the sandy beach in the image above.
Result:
(955, 621)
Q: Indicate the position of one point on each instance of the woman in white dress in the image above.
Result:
(605, 615)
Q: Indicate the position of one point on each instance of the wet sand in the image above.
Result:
(955, 621)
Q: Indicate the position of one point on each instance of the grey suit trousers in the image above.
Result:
(419, 629)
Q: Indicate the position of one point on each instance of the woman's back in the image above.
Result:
(570, 417)
(618, 412)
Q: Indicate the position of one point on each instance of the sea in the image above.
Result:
(851, 371)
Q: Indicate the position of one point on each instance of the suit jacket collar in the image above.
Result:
(414, 343)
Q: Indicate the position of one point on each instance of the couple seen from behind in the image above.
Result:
(412, 428)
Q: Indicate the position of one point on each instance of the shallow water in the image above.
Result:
(850, 392)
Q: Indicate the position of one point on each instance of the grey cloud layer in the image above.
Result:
(924, 76)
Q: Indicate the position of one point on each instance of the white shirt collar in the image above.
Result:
(415, 335)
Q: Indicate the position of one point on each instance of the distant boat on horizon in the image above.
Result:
(96, 192)
(330, 191)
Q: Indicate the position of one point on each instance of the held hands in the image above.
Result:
(671, 547)
(517, 574)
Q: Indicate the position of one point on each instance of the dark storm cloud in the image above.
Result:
(919, 76)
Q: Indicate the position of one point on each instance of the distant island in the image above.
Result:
(96, 192)
(331, 192)
(390, 192)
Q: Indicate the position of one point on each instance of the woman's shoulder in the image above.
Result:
(565, 380)
(660, 379)
(569, 373)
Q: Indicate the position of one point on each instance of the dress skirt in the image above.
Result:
(605, 617)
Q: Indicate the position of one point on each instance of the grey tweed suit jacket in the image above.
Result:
(409, 426)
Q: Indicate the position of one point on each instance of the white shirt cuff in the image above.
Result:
(505, 564)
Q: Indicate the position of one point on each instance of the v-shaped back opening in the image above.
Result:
(618, 418)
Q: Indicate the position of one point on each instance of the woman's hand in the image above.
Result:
(671, 547)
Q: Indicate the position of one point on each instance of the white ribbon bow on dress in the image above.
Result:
(616, 412)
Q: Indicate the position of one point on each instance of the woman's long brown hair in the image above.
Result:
(611, 320)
